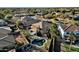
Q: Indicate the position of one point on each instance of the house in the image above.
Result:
(40, 16)
(66, 29)
(28, 21)
(18, 16)
(36, 26)
(46, 24)
(43, 26)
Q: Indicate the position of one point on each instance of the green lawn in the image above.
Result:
(73, 49)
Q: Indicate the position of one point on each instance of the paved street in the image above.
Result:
(5, 39)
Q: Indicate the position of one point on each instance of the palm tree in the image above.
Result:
(72, 38)
(54, 36)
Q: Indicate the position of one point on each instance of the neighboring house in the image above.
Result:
(28, 21)
(19, 16)
(35, 27)
(32, 24)
(39, 16)
(65, 30)
(42, 25)
(2, 23)
(46, 24)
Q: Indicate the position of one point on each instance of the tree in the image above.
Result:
(2, 16)
(8, 17)
(4, 12)
(48, 16)
(54, 38)
(72, 38)
(7, 11)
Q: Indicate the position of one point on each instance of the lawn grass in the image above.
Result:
(73, 49)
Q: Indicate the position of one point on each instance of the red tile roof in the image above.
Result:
(72, 28)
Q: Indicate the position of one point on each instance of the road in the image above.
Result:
(5, 39)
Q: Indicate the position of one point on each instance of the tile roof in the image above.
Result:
(70, 28)
(29, 21)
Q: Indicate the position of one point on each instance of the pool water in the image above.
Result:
(38, 42)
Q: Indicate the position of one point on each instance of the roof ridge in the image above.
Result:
(67, 27)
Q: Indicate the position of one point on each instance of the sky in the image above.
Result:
(39, 3)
